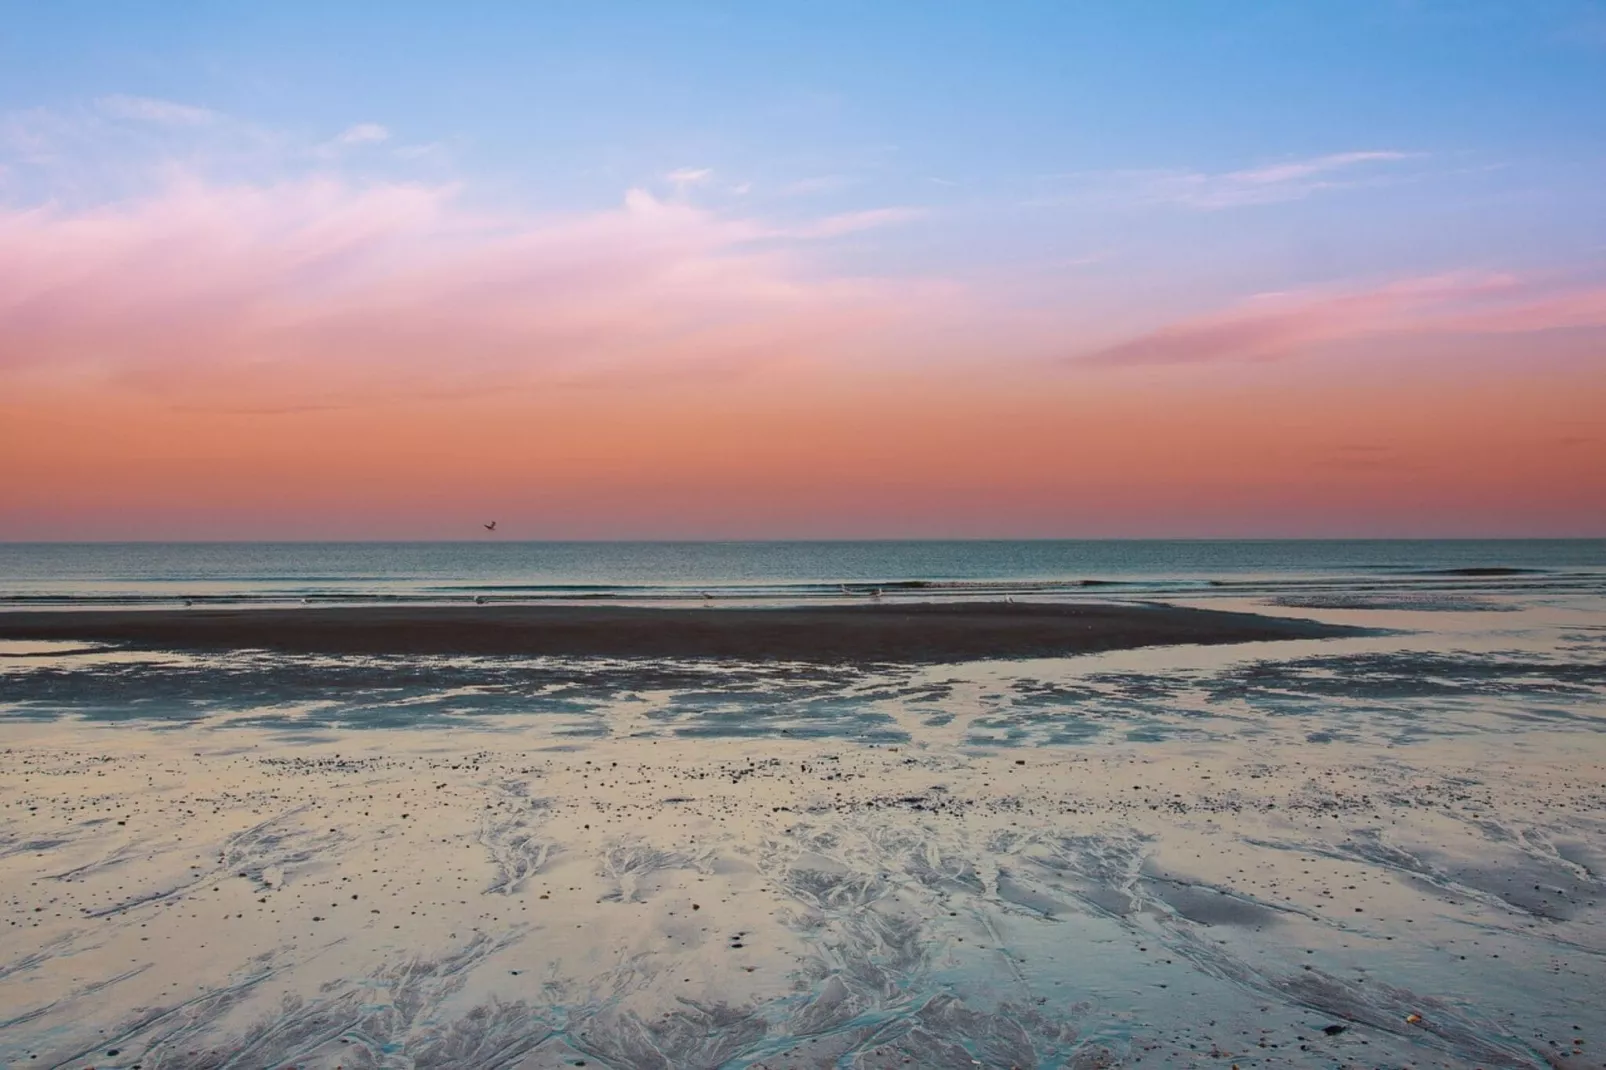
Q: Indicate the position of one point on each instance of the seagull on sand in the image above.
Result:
(490, 527)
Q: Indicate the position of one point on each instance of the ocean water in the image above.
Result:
(1385, 849)
(757, 572)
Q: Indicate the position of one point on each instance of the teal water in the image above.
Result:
(763, 571)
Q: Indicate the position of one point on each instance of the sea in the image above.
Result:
(1386, 848)
(243, 573)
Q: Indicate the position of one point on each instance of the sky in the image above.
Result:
(1334, 268)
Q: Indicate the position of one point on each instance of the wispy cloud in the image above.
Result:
(1290, 180)
(1296, 170)
(428, 150)
(1271, 183)
(1280, 325)
(363, 134)
(689, 176)
(813, 185)
(116, 145)
(835, 226)
(152, 110)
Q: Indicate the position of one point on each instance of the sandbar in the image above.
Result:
(910, 633)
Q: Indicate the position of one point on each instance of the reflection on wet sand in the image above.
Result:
(1370, 851)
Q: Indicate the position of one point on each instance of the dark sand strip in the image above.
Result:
(872, 633)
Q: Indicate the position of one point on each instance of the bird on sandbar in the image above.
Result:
(489, 527)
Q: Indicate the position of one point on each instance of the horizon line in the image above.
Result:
(794, 541)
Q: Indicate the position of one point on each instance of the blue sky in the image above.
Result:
(1039, 130)
(999, 95)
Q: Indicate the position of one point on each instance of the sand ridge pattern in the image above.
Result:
(758, 936)
(1383, 850)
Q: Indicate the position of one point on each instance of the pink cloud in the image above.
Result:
(1275, 326)
(313, 288)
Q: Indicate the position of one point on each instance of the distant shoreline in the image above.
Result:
(923, 633)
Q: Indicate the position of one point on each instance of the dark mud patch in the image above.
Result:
(923, 633)
(1207, 905)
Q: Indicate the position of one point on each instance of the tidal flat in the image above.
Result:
(1382, 848)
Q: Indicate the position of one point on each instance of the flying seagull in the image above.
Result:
(491, 526)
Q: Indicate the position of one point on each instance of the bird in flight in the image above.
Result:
(491, 526)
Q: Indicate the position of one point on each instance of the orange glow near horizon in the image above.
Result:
(1067, 456)
(318, 361)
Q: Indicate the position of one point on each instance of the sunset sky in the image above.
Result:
(669, 270)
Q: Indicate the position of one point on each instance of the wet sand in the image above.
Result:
(1382, 849)
(650, 904)
(911, 633)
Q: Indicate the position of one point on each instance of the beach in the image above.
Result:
(774, 536)
(1305, 827)
(772, 903)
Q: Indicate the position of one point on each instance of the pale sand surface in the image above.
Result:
(1371, 851)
